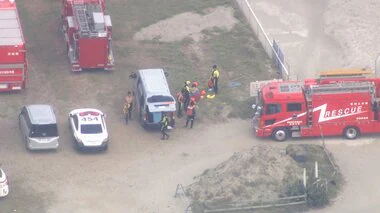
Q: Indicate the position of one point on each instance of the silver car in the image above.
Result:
(38, 126)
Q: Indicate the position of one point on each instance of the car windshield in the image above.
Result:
(160, 98)
(45, 130)
(91, 129)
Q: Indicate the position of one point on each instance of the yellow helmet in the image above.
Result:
(187, 82)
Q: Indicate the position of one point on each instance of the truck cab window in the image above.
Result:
(293, 107)
(273, 109)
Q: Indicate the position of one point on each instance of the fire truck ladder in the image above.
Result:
(309, 107)
(80, 11)
(342, 87)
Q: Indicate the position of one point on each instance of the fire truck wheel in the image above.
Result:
(280, 134)
(351, 132)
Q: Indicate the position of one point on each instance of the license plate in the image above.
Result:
(3, 86)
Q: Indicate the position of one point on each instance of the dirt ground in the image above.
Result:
(139, 172)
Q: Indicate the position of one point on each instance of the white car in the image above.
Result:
(89, 128)
(4, 187)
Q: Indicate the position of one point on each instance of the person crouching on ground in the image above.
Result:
(194, 91)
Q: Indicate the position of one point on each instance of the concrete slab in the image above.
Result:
(298, 27)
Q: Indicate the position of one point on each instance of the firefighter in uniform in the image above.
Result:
(128, 106)
(186, 95)
(215, 78)
(190, 114)
(179, 102)
(164, 126)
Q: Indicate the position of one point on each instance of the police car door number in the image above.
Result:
(90, 119)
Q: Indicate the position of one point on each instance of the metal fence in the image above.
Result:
(180, 192)
(275, 54)
(249, 205)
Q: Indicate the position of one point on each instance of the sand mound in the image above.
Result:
(187, 24)
(255, 174)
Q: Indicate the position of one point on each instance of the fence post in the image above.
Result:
(304, 177)
(323, 138)
(316, 169)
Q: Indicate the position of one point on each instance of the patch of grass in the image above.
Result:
(236, 52)
(136, 14)
(239, 55)
(174, 62)
(242, 60)
(330, 181)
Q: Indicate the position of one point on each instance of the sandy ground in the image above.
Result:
(298, 27)
(358, 165)
(330, 34)
(138, 174)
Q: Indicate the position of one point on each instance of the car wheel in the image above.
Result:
(105, 147)
(280, 134)
(77, 147)
(26, 144)
(351, 132)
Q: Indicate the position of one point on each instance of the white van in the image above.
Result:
(153, 97)
(39, 127)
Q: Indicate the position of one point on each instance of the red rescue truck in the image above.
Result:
(88, 34)
(335, 104)
(13, 62)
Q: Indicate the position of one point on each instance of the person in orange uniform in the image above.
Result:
(190, 114)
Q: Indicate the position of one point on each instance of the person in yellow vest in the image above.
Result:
(186, 95)
(215, 78)
(164, 126)
(128, 106)
(190, 114)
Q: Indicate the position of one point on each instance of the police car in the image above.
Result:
(89, 128)
(4, 187)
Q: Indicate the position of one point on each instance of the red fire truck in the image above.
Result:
(88, 34)
(338, 103)
(13, 63)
